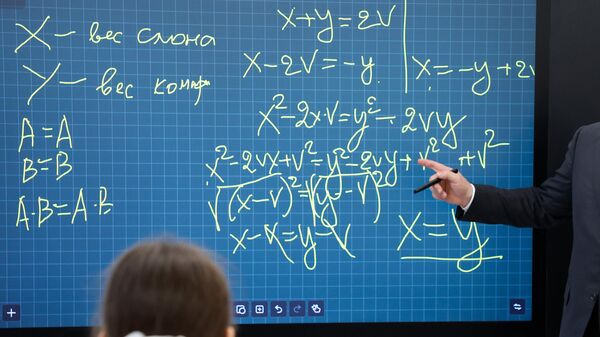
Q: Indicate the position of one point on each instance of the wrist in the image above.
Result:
(469, 195)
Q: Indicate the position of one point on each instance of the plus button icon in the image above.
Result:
(11, 312)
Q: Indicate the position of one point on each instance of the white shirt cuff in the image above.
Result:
(466, 208)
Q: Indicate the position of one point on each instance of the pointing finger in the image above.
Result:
(448, 175)
(433, 165)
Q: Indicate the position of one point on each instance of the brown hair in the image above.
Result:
(166, 288)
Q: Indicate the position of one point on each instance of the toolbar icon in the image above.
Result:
(316, 308)
(240, 309)
(517, 306)
(278, 308)
(297, 308)
(259, 309)
(11, 312)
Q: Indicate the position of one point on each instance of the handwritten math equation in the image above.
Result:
(56, 141)
(319, 61)
(317, 195)
(36, 211)
(310, 197)
(111, 84)
(350, 179)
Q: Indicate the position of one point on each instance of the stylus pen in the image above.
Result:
(433, 182)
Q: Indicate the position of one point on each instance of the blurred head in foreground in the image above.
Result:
(166, 288)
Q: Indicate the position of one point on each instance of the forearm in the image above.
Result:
(545, 206)
(527, 207)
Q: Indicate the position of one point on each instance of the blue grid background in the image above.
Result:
(150, 152)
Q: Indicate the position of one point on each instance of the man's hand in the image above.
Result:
(454, 188)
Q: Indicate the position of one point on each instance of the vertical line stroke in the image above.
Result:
(404, 43)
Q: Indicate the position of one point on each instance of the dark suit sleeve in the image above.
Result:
(540, 207)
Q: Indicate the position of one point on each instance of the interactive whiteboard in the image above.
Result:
(282, 135)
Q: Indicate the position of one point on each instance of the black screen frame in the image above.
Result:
(535, 327)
